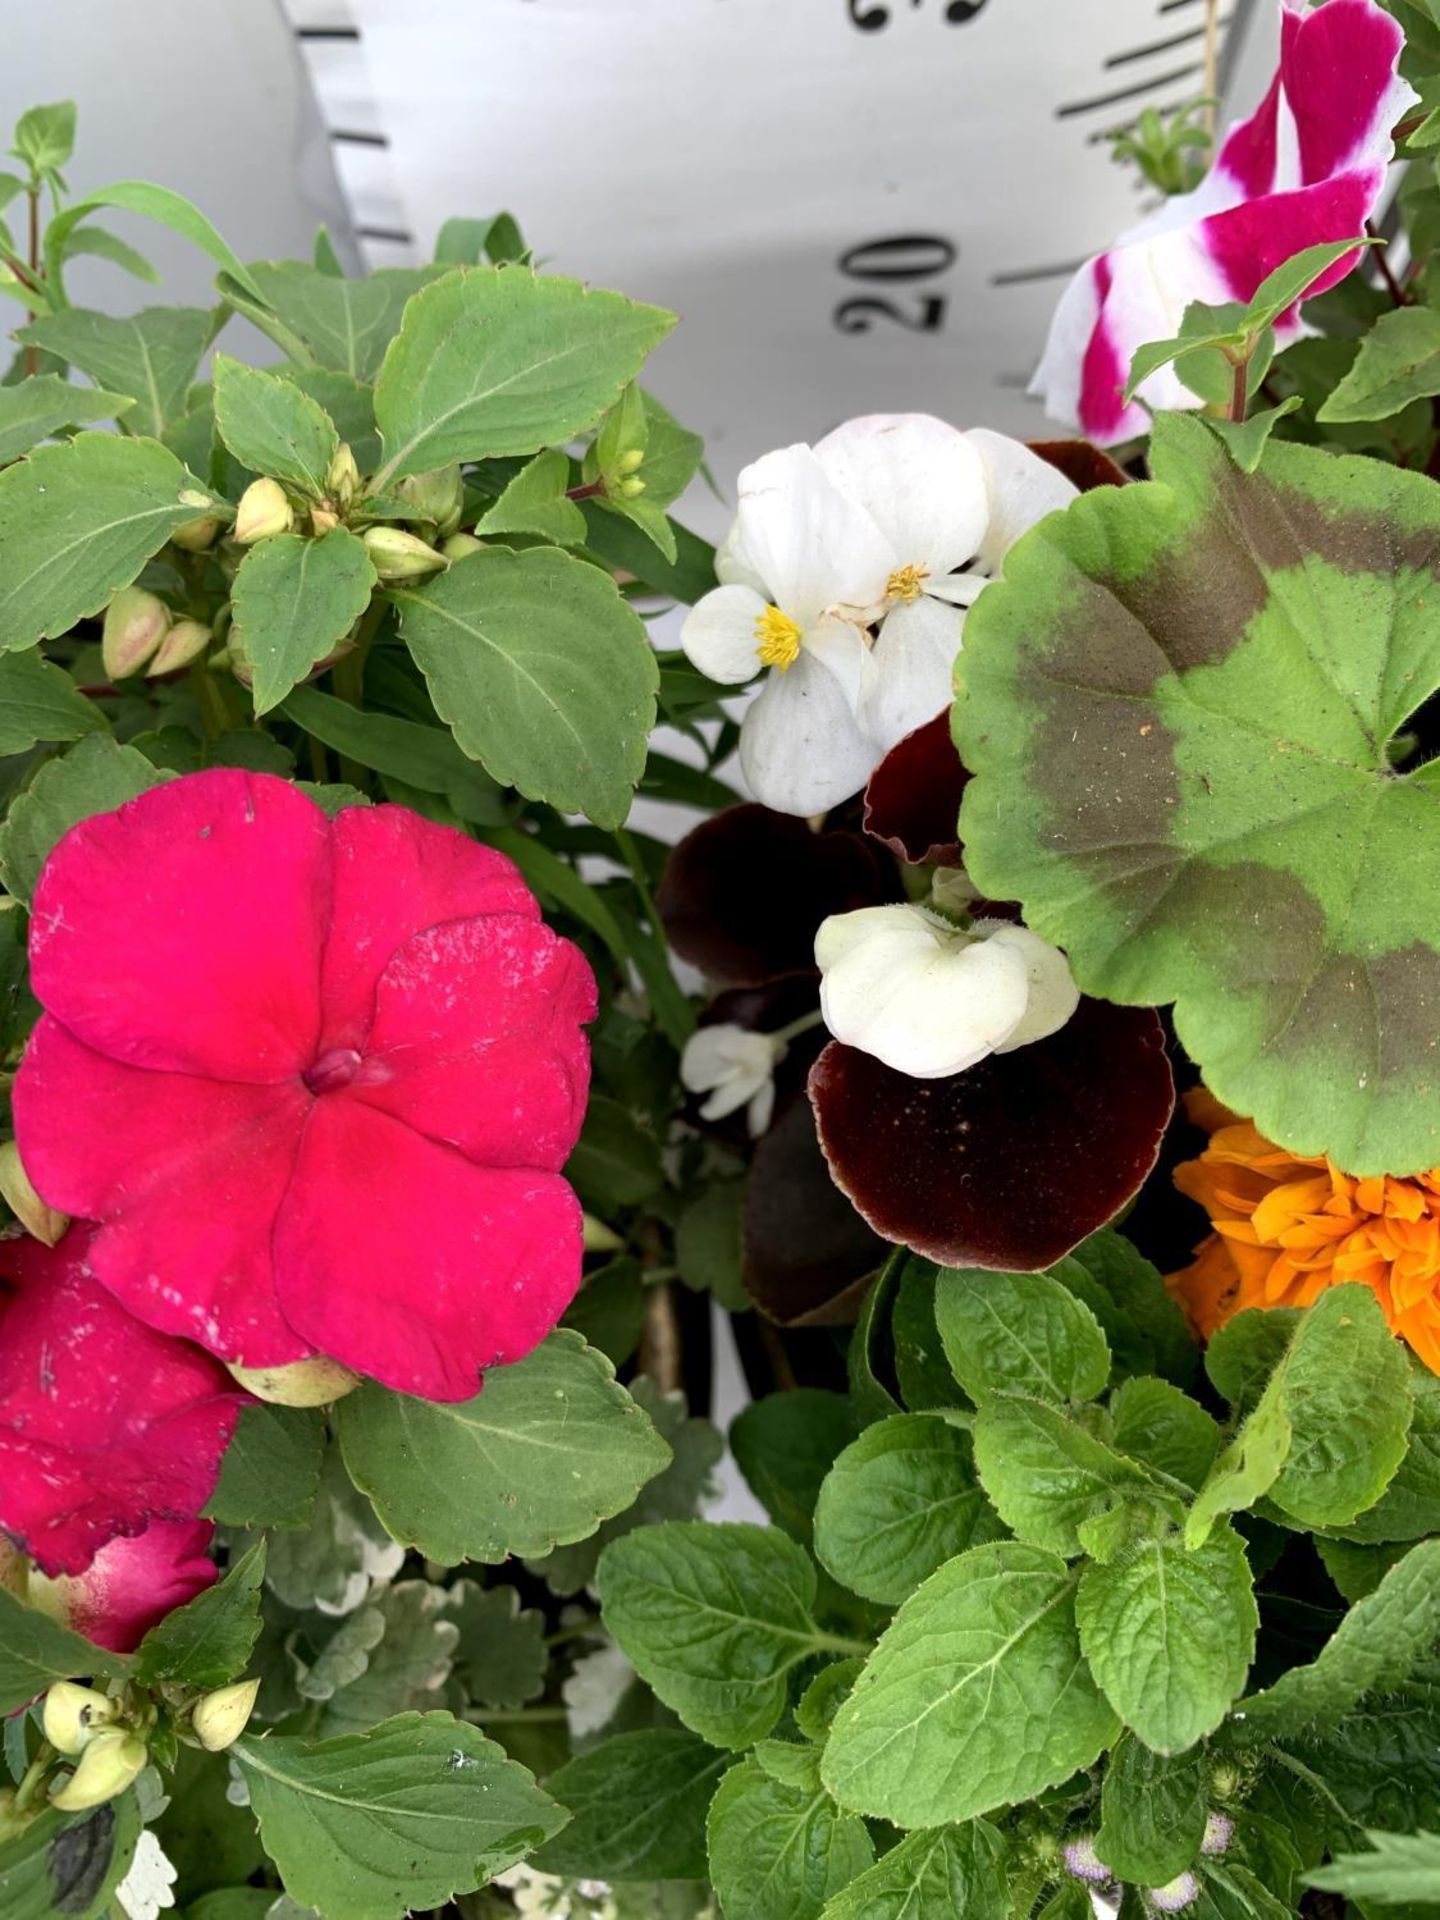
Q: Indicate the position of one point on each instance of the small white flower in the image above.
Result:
(735, 1067)
(1175, 1895)
(545, 1896)
(1219, 1832)
(149, 1883)
(1082, 1860)
(930, 998)
(842, 575)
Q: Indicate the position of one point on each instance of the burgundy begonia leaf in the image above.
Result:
(1015, 1161)
(742, 895)
(1083, 466)
(913, 800)
(807, 1254)
(105, 1424)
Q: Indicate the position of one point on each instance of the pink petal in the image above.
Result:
(183, 930)
(185, 1177)
(403, 1261)
(132, 1584)
(394, 875)
(477, 1040)
(105, 1425)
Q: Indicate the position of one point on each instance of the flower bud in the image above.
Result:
(300, 1383)
(322, 519)
(631, 487)
(220, 1718)
(401, 556)
(184, 643)
(264, 511)
(73, 1715)
(461, 544)
(342, 480)
(596, 1237)
(135, 624)
(631, 461)
(24, 1202)
(438, 496)
(112, 1761)
(196, 535)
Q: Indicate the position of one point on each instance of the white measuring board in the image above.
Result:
(855, 205)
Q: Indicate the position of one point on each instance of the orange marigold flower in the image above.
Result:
(1288, 1225)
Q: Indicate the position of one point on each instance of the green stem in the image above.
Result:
(580, 1630)
(522, 1717)
(1240, 391)
(34, 1775)
(840, 1643)
(784, 1035)
(214, 714)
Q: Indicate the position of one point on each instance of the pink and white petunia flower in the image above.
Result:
(846, 574)
(1307, 167)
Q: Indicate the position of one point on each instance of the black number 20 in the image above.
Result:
(902, 258)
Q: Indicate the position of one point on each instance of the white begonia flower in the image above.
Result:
(735, 1067)
(931, 999)
(868, 529)
(149, 1883)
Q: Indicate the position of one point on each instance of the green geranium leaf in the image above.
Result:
(785, 1445)
(501, 360)
(343, 326)
(69, 1864)
(151, 356)
(1400, 1868)
(637, 1806)
(1019, 1333)
(34, 1650)
(1398, 361)
(1152, 1812)
(715, 1617)
(295, 600)
(79, 521)
(1178, 709)
(1169, 1633)
(96, 776)
(209, 1641)
(545, 675)
(898, 1503)
(36, 408)
(1047, 1475)
(978, 1695)
(1374, 1647)
(272, 427)
(779, 1849)
(534, 502)
(271, 1469)
(371, 1825)
(548, 1449)
(932, 1876)
(39, 701)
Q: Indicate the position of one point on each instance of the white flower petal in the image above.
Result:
(957, 589)
(1053, 994)
(801, 748)
(1023, 489)
(149, 1883)
(843, 648)
(724, 1055)
(813, 548)
(718, 634)
(758, 1114)
(733, 565)
(838, 933)
(914, 661)
(919, 479)
(926, 1000)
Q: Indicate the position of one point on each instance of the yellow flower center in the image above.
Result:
(907, 583)
(777, 639)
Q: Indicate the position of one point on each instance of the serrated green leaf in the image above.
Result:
(544, 674)
(207, 1642)
(549, 1448)
(1409, 1508)
(39, 701)
(500, 360)
(620, 544)
(79, 521)
(335, 1560)
(1400, 1867)
(1245, 440)
(1143, 1323)
(780, 1851)
(34, 409)
(274, 428)
(1019, 1333)
(421, 756)
(977, 1696)
(271, 1468)
(785, 1444)
(349, 403)
(1169, 1633)
(1398, 361)
(368, 1826)
(405, 1669)
(501, 1656)
(899, 1502)
(341, 325)
(93, 777)
(1156, 1423)
(151, 356)
(1211, 816)
(1152, 1812)
(932, 1876)
(295, 599)
(1046, 1475)
(715, 1617)
(1242, 1355)
(637, 1807)
(534, 502)
(35, 1650)
(1374, 1647)
(45, 136)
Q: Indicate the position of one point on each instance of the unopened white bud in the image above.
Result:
(24, 1202)
(136, 621)
(264, 511)
(181, 647)
(221, 1717)
(73, 1715)
(112, 1761)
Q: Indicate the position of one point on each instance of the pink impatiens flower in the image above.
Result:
(314, 1079)
(105, 1425)
(129, 1585)
(1307, 167)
